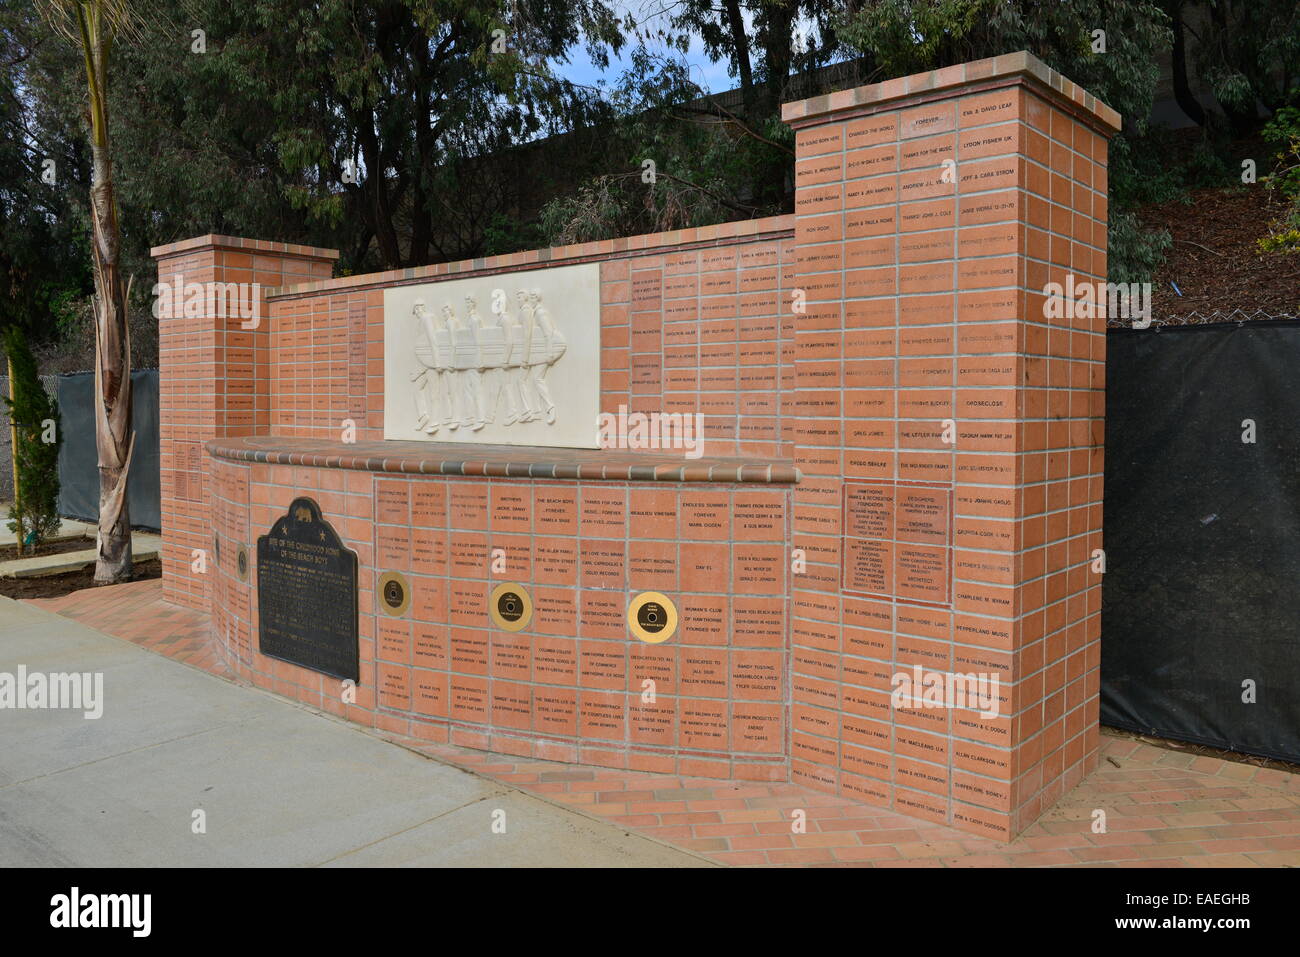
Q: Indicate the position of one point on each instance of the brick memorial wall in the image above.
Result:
(931, 212)
(901, 475)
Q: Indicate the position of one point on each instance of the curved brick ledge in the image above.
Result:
(497, 461)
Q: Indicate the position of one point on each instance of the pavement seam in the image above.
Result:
(374, 734)
(142, 748)
(498, 792)
(572, 809)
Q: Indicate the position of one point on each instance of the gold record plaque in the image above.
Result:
(394, 593)
(510, 607)
(652, 617)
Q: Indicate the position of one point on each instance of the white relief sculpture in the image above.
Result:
(470, 366)
(519, 364)
(466, 364)
(434, 399)
(492, 354)
(516, 400)
(541, 359)
(469, 360)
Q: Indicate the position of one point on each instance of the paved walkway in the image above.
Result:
(276, 784)
(1163, 808)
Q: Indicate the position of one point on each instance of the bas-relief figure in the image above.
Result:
(472, 367)
(476, 357)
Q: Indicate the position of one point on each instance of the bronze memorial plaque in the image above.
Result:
(898, 541)
(307, 594)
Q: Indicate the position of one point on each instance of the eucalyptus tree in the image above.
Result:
(368, 111)
(1112, 48)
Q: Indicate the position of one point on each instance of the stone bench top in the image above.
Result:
(498, 461)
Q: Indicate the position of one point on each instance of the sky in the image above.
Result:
(649, 14)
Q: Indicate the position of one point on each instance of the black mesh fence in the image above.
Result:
(1201, 595)
(79, 461)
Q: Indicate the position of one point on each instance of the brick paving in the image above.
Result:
(1162, 808)
(136, 612)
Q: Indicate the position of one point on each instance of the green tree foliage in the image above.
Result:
(769, 47)
(907, 36)
(369, 118)
(1133, 254)
(240, 117)
(672, 162)
(1119, 65)
(1248, 53)
(1283, 132)
(35, 416)
(44, 255)
(715, 158)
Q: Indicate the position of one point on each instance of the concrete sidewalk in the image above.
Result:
(279, 785)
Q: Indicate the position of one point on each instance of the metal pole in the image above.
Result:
(13, 448)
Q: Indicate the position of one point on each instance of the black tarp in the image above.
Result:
(78, 460)
(1202, 535)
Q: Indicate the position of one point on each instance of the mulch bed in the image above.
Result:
(55, 586)
(78, 544)
(1213, 259)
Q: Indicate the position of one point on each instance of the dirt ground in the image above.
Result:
(54, 586)
(1213, 259)
(81, 543)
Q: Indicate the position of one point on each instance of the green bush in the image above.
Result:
(36, 421)
(1132, 253)
(1283, 131)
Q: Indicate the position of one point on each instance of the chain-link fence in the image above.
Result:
(1208, 317)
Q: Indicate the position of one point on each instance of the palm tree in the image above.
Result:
(94, 24)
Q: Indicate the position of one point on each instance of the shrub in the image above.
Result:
(35, 416)
(1132, 253)
(1283, 131)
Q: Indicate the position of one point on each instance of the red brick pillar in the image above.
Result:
(213, 374)
(951, 441)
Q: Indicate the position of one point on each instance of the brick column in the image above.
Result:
(213, 377)
(950, 435)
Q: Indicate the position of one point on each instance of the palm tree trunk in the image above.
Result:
(114, 437)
